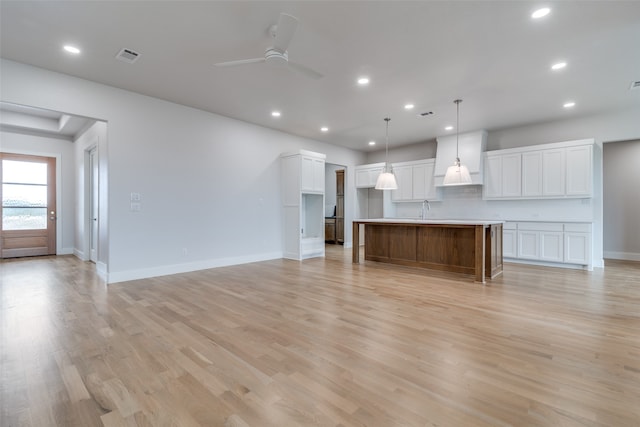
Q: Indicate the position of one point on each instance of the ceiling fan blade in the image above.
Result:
(239, 62)
(305, 70)
(287, 25)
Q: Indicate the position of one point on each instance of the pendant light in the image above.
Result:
(387, 180)
(457, 174)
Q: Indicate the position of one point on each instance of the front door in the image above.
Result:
(28, 209)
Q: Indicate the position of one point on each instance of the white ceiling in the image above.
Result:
(489, 53)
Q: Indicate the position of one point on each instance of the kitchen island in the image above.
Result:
(465, 246)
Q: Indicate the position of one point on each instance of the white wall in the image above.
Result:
(62, 150)
(466, 202)
(621, 191)
(210, 185)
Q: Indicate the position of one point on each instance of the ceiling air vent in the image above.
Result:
(128, 55)
(635, 85)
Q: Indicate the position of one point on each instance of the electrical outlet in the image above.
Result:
(135, 207)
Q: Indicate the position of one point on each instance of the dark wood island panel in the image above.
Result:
(468, 248)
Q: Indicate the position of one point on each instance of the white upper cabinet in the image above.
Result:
(532, 174)
(560, 170)
(579, 175)
(415, 181)
(553, 172)
(502, 176)
(312, 175)
(367, 175)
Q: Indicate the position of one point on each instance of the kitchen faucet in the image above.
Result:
(425, 208)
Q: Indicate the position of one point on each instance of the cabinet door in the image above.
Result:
(577, 248)
(306, 174)
(493, 177)
(340, 183)
(373, 176)
(532, 174)
(551, 246)
(340, 230)
(418, 182)
(579, 171)
(511, 175)
(529, 244)
(405, 184)
(509, 243)
(318, 175)
(362, 178)
(553, 172)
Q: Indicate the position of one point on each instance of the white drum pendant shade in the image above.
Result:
(386, 181)
(457, 175)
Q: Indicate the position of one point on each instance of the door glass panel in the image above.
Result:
(24, 218)
(24, 195)
(16, 171)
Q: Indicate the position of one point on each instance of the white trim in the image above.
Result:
(348, 245)
(549, 264)
(144, 273)
(101, 270)
(66, 251)
(627, 256)
(79, 254)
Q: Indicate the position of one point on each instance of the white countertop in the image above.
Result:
(429, 221)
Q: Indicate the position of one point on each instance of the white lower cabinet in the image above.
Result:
(566, 243)
(509, 240)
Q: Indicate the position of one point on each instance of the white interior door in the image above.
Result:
(93, 195)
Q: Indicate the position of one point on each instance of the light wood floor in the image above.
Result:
(319, 343)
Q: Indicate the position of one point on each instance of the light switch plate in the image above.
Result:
(135, 197)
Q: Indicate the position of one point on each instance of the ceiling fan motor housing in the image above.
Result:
(275, 56)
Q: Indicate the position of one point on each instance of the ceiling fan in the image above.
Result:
(282, 33)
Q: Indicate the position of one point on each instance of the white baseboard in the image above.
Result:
(79, 254)
(101, 270)
(145, 273)
(627, 256)
(548, 264)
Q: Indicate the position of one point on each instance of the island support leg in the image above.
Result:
(355, 246)
(480, 254)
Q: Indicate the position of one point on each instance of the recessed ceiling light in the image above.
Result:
(71, 49)
(409, 106)
(540, 13)
(448, 128)
(372, 143)
(362, 81)
(569, 104)
(275, 113)
(324, 129)
(558, 66)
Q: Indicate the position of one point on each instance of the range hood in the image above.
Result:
(471, 147)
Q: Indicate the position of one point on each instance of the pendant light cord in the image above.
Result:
(386, 154)
(457, 102)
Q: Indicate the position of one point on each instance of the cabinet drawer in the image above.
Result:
(540, 226)
(578, 228)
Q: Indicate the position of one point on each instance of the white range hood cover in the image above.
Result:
(472, 145)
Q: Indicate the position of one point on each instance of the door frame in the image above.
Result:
(59, 207)
(88, 199)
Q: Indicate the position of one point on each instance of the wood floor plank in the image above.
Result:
(322, 342)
